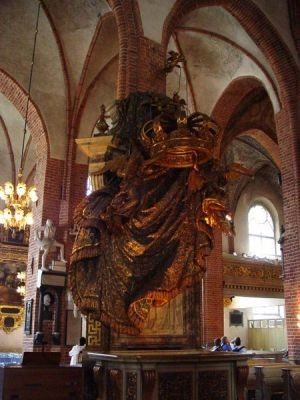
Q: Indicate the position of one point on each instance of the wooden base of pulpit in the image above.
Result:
(170, 375)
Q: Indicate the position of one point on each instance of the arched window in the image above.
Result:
(262, 241)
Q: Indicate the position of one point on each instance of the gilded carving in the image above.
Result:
(10, 253)
(227, 301)
(11, 317)
(93, 331)
(131, 386)
(261, 272)
(144, 237)
(252, 275)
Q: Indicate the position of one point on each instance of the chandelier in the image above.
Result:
(18, 199)
(21, 277)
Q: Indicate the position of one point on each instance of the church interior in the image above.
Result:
(149, 197)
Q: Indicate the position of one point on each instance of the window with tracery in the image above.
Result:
(262, 241)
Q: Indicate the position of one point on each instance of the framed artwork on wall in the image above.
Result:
(236, 318)
(28, 317)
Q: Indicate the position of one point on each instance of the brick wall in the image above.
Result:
(290, 188)
(61, 185)
(52, 206)
(265, 35)
(213, 292)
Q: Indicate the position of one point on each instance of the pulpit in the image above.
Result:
(170, 375)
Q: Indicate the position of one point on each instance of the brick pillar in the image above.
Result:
(140, 59)
(151, 63)
(290, 151)
(49, 181)
(213, 306)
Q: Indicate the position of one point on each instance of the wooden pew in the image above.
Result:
(291, 382)
(251, 382)
(40, 377)
(269, 383)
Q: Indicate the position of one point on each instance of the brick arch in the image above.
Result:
(229, 100)
(266, 142)
(130, 30)
(244, 182)
(240, 129)
(262, 137)
(10, 150)
(18, 97)
(258, 27)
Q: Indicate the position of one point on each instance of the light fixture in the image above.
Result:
(17, 212)
(21, 277)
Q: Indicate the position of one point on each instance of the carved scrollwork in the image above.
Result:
(114, 384)
(241, 380)
(148, 383)
(256, 271)
(131, 386)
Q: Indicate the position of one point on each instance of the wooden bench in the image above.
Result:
(41, 383)
(251, 382)
(268, 381)
(291, 382)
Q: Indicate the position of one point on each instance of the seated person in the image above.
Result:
(217, 345)
(237, 345)
(225, 344)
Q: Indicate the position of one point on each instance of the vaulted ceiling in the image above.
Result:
(225, 74)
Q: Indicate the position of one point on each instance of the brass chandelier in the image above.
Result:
(17, 212)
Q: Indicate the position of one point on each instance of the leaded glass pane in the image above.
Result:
(260, 221)
(261, 232)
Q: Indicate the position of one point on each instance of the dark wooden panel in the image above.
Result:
(213, 385)
(41, 382)
(175, 386)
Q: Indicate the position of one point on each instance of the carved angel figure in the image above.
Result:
(45, 237)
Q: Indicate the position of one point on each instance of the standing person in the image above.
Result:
(225, 344)
(76, 350)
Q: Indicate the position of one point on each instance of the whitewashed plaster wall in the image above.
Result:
(258, 190)
(238, 303)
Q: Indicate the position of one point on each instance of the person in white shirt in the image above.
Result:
(76, 350)
(237, 345)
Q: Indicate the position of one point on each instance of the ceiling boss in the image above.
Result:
(145, 235)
